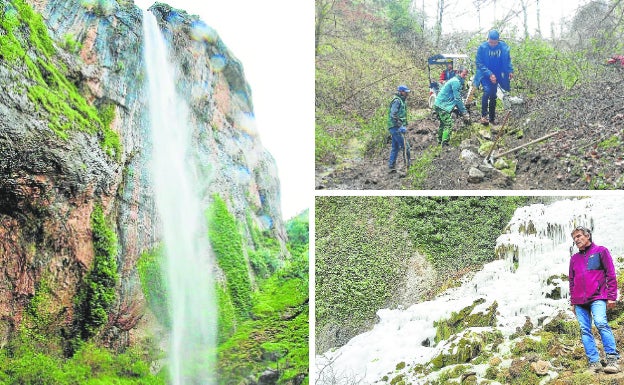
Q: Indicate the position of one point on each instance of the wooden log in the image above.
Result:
(527, 144)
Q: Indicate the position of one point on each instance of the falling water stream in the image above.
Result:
(189, 258)
(536, 246)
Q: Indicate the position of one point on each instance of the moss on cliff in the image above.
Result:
(49, 86)
(227, 243)
(39, 327)
(459, 321)
(277, 335)
(150, 267)
(97, 294)
(264, 256)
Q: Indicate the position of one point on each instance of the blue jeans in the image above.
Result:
(598, 311)
(397, 145)
(488, 100)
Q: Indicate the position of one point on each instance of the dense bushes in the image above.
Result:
(361, 248)
(90, 365)
(457, 232)
(358, 67)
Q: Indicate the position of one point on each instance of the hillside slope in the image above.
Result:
(574, 113)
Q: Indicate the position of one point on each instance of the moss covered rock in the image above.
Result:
(464, 319)
(464, 348)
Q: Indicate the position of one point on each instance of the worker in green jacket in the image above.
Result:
(448, 98)
(397, 122)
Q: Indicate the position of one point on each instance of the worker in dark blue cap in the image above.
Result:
(397, 122)
(493, 68)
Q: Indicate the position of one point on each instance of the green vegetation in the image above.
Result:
(70, 43)
(363, 245)
(38, 324)
(458, 232)
(365, 48)
(91, 365)
(97, 294)
(227, 321)
(613, 141)
(37, 352)
(227, 243)
(359, 65)
(419, 169)
(466, 347)
(458, 322)
(264, 257)
(298, 231)
(50, 88)
(535, 58)
(150, 267)
(276, 336)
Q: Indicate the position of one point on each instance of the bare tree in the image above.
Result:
(438, 26)
(539, 22)
(614, 5)
(327, 375)
(323, 11)
(477, 4)
(525, 17)
(423, 13)
(494, 2)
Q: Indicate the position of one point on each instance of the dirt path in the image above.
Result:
(446, 170)
(586, 155)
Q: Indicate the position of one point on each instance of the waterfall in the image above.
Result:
(189, 257)
(535, 247)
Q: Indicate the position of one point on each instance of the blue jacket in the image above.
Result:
(495, 61)
(450, 95)
(592, 276)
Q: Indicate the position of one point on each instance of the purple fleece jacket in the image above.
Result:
(592, 276)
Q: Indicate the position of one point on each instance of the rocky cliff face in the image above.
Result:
(74, 132)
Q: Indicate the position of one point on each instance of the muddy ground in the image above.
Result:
(585, 150)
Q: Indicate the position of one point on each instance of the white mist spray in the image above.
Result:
(189, 258)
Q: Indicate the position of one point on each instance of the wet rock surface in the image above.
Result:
(49, 184)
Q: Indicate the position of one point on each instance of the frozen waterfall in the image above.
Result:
(536, 246)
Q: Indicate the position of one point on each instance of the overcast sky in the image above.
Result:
(274, 40)
(462, 14)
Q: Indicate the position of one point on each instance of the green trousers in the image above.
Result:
(446, 125)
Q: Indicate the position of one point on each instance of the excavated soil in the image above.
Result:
(585, 150)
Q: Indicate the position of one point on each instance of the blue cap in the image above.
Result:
(493, 35)
(403, 88)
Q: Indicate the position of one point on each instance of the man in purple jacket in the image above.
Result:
(593, 289)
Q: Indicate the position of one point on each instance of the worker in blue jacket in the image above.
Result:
(493, 67)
